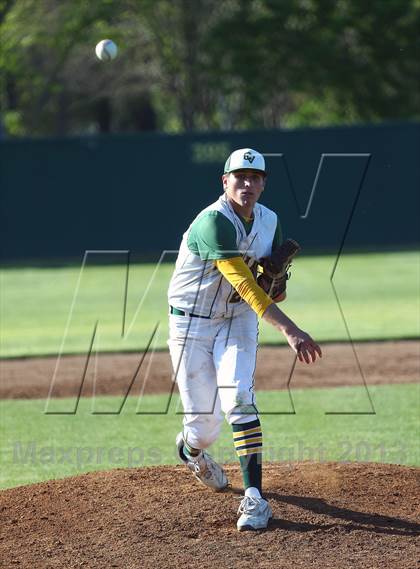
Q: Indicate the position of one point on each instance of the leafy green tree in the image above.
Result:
(323, 61)
(160, 78)
(204, 64)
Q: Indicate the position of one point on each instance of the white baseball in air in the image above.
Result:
(106, 50)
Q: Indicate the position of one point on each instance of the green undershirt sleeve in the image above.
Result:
(213, 236)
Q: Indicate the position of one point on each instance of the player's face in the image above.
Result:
(243, 189)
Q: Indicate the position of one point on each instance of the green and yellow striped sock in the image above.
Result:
(247, 438)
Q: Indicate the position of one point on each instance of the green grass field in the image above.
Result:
(378, 295)
(39, 446)
(40, 307)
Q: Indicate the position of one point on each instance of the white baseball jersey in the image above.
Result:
(198, 287)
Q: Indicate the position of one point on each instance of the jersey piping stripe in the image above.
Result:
(217, 292)
(239, 226)
(199, 286)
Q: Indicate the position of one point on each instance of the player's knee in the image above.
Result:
(203, 435)
(239, 406)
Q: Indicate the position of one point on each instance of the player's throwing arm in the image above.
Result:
(232, 268)
(301, 343)
(273, 279)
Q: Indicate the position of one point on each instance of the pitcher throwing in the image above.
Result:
(231, 269)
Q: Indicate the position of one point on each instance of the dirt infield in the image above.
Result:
(325, 516)
(380, 362)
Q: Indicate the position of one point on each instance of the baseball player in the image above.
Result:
(215, 301)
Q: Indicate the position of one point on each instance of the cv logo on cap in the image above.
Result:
(243, 159)
(248, 156)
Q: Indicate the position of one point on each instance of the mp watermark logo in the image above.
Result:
(81, 456)
(143, 366)
(343, 451)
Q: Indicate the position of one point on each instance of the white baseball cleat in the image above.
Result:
(204, 468)
(255, 514)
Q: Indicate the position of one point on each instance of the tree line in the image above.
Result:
(188, 65)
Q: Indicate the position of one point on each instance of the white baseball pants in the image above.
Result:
(214, 364)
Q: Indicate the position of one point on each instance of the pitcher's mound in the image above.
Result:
(325, 515)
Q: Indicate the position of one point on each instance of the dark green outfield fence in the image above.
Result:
(357, 187)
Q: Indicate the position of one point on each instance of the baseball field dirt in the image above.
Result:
(326, 516)
(376, 362)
